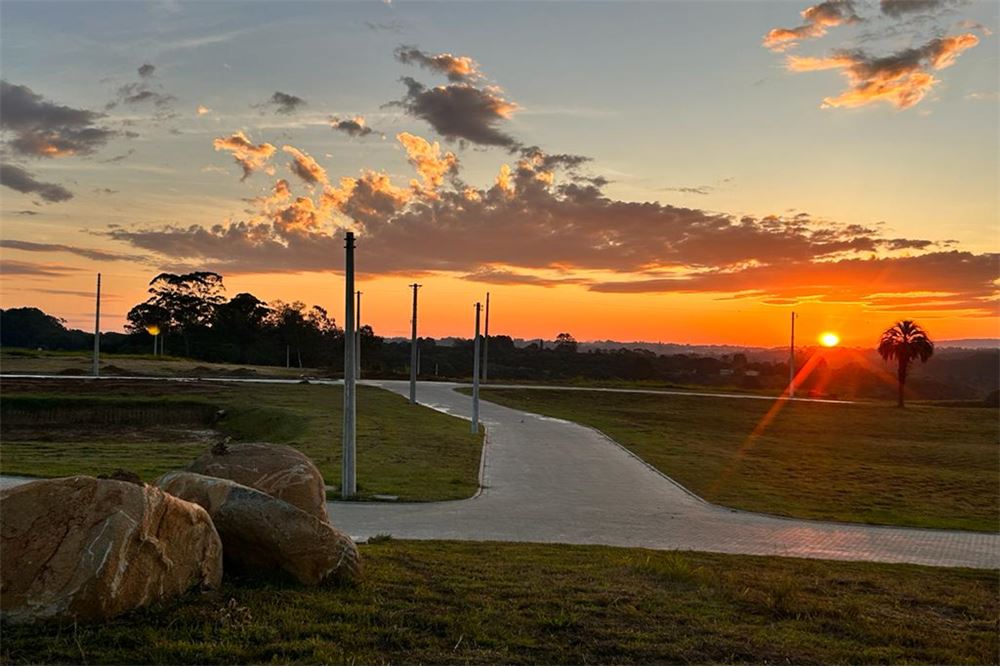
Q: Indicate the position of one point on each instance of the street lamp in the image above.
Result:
(154, 331)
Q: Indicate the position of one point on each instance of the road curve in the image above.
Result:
(549, 480)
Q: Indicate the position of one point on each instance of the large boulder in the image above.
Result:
(277, 470)
(86, 548)
(261, 533)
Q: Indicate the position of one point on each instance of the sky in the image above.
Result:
(662, 171)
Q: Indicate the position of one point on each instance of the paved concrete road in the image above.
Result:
(547, 480)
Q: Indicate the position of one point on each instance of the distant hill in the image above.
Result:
(971, 343)
(778, 353)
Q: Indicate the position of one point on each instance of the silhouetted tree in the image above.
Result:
(241, 320)
(905, 341)
(189, 300)
(30, 327)
(289, 319)
(566, 343)
(145, 315)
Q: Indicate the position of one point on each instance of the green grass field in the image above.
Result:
(22, 361)
(407, 451)
(490, 603)
(927, 466)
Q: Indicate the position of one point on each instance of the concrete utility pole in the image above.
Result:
(97, 331)
(357, 341)
(791, 361)
(486, 341)
(413, 347)
(348, 480)
(475, 375)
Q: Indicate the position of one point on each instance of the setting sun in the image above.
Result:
(829, 339)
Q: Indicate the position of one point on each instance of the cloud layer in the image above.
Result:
(21, 180)
(89, 253)
(541, 223)
(39, 128)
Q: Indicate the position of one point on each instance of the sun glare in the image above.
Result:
(829, 339)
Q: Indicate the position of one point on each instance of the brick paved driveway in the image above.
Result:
(548, 480)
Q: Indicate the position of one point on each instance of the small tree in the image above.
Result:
(566, 343)
(905, 341)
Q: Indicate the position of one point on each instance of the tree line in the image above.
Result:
(191, 317)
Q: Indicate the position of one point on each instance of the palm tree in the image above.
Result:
(905, 341)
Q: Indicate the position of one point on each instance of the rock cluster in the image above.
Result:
(261, 533)
(86, 548)
(277, 470)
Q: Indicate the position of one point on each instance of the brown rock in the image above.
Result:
(80, 547)
(261, 533)
(277, 470)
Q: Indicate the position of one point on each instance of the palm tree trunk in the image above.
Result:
(901, 376)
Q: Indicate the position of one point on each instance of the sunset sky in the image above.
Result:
(663, 171)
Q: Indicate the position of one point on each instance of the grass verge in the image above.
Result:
(492, 603)
(928, 466)
(23, 361)
(408, 451)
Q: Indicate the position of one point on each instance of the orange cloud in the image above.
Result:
(427, 159)
(249, 156)
(305, 167)
(366, 199)
(456, 68)
(281, 192)
(817, 20)
(301, 214)
(503, 180)
(901, 79)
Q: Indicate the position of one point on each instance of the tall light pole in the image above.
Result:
(357, 339)
(413, 347)
(97, 330)
(486, 341)
(791, 361)
(348, 480)
(475, 375)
